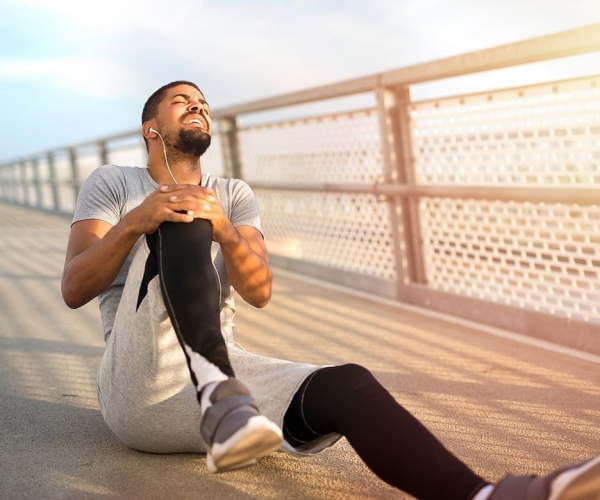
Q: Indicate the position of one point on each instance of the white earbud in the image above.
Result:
(164, 153)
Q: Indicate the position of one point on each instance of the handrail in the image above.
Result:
(563, 44)
(543, 194)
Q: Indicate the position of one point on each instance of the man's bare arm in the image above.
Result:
(95, 253)
(247, 264)
(96, 250)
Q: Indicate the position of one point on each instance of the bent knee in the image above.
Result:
(350, 376)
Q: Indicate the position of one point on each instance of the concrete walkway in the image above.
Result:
(500, 405)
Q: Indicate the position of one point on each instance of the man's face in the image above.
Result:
(184, 120)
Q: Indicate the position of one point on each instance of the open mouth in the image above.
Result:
(196, 121)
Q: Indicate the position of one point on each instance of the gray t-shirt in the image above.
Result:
(111, 191)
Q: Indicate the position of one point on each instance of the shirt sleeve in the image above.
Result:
(101, 196)
(244, 206)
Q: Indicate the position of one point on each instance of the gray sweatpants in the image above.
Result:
(145, 390)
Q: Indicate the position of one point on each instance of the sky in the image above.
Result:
(73, 71)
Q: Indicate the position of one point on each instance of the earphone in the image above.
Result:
(164, 153)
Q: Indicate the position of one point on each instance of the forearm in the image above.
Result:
(89, 273)
(248, 269)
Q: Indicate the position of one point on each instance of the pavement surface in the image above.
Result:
(501, 405)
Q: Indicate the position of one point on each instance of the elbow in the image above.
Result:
(73, 304)
(70, 297)
(260, 298)
(262, 302)
(265, 296)
(71, 301)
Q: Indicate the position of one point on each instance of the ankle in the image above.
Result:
(205, 395)
(484, 493)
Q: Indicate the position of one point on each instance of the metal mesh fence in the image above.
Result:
(543, 135)
(336, 148)
(344, 231)
(487, 196)
(544, 257)
(536, 256)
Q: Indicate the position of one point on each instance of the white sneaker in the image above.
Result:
(236, 435)
(576, 482)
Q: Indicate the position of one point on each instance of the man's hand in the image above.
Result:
(163, 205)
(202, 203)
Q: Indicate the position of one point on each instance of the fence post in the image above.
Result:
(3, 184)
(53, 182)
(228, 132)
(24, 187)
(13, 183)
(394, 118)
(3, 189)
(37, 182)
(74, 172)
(103, 152)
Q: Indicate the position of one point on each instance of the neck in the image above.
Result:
(185, 170)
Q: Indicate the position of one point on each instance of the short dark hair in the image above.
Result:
(151, 107)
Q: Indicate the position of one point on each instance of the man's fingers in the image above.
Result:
(181, 216)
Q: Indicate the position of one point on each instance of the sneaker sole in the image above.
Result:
(256, 439)
(580, 483)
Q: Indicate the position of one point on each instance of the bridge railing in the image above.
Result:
(483, 205)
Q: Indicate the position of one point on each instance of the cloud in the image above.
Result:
(243, 50)
(88, 76)
(258, 48)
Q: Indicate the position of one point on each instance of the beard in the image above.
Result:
(193, 142)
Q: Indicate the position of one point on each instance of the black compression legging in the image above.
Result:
(180, 253)
(395, 445)
(345, 399)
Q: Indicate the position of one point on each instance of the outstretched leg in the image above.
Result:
(395, 445)
(348, 400)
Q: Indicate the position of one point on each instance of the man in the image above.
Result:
(162, 249)
(130, 381)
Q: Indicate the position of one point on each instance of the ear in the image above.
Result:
(146, 126)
